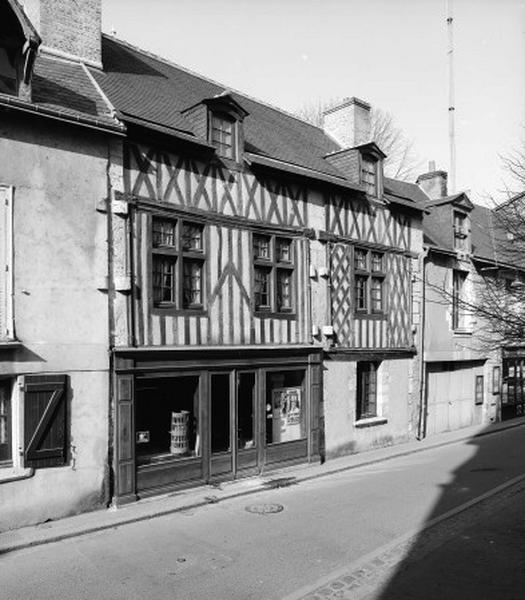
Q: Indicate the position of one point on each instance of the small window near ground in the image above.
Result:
(366, 401)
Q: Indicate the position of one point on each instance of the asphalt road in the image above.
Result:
(222, 551)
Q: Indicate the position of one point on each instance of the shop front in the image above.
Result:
(187, 417)
(513, 383)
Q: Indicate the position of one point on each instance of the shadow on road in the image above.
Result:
(478, 554)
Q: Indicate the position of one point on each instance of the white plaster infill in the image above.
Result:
(370, 422)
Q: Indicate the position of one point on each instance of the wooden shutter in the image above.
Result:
(45, 421)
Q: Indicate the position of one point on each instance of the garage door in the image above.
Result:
(451, 396)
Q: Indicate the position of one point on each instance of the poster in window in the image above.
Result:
(287, 414)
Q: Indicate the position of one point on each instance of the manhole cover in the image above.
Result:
(265, 509)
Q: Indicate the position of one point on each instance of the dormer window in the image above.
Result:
(460, 232)
(369, 175)
(224, 134)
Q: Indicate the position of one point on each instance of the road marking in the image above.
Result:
(356, 579)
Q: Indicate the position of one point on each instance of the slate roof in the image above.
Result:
(152, 90)
(488, 233)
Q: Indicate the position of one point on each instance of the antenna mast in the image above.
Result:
(451, 107)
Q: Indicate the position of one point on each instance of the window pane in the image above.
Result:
(167, 418)
(246, 410)
(377, 262)
(192, 236)
(360, 262)
(376, 294)
(163, 232)
(284, 290)
(7, 71)
(284, 250)
(192, 285)
(5, 421)
(360, 292)
(220, 413)
(262, 287)
(261, 247)
(163, 279)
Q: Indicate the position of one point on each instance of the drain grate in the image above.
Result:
(264, 509)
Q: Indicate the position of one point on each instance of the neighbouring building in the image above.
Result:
(197, 286)
(469, 377)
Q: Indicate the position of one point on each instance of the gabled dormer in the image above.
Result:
(360, 160)
(219, 120)
(19, 43)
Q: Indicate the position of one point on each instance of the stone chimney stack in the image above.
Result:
(433, 183)
(68, 28)
(349, 122)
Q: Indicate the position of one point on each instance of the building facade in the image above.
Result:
(198, 286)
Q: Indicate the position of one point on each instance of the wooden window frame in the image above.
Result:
(458, 315)
(371, 188)
(366, 390)
(479, 389)
(275, 267)
(460, 228)
(369, 276)
(179, 255)
(220, 117)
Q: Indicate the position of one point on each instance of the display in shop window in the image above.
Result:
(287, 414)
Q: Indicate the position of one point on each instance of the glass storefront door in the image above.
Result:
(233, 422)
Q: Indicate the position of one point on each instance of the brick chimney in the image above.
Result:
(434, 183)
(349, 122)
(68, 28)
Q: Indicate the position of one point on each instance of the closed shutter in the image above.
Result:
(45, 420)
(6, 262)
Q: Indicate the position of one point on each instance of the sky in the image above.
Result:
(391, 53)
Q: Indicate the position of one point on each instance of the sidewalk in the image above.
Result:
(206, 494)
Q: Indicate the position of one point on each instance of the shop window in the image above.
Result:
(366, 401)
(246, 397)
(285, 407)
(273, 273)
(5, 423)
(369, 278)
(178, 264)
(167, 418)
(220, 413)
(458, 314)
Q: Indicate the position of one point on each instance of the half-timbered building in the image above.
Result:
(227, 289)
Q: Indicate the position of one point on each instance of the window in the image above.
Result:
(8, 71)
(366, 390)
(496, 379)
(479, 389)
(177, 263)
(273, 273)
(223, 134)
(460, 231)
(285, 406)
(5, 423)
(458, 315)
(167, 418)
(369, 175)
(369, 278)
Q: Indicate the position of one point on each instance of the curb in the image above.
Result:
(190, 505)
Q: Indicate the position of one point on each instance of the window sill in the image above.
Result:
(370, 422)
(369, 315)
(274, 315)
(462, 331)
(8, 474)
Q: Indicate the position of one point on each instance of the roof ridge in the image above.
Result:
(172, 63)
